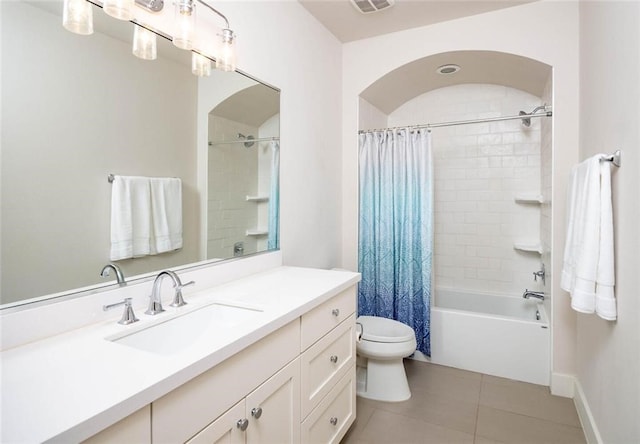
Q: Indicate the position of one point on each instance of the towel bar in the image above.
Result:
(616, 158)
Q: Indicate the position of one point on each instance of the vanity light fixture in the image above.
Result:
(77, 16)
(145, 44)
(185, 24)
(184, 32)
(200, 65)
(120, 9)
(226, 60)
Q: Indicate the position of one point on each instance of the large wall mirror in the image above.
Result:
(78, 108)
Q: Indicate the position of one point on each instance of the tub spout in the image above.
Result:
(533, 294)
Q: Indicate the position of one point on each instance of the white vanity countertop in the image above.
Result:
(70, 386)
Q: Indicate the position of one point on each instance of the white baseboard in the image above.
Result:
(563, 385)
(591, 432)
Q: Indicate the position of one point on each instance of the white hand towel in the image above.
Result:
(130, 217)
(166, 209)
(605, 280)
(567, 277)
(587, 272)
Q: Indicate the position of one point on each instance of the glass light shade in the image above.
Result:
(77, 16)
(226, 60)
(200, 65)
(120, 9)
(185, 24)
(144, 43)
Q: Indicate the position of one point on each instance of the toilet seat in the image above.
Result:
(376, 329)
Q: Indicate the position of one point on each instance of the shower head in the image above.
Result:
(249, 140)
(526, 121)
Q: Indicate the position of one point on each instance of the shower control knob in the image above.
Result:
(333, 420)
(334, 359)
(243, 424)
(335, 312)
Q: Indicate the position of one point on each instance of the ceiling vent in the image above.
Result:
(369, 6)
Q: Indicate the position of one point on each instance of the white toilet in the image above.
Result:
(380, 372)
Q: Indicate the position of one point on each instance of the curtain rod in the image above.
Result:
(259, 139)
(547, 113)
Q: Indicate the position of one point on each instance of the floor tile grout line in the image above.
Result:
(533, 417)
(475, 430)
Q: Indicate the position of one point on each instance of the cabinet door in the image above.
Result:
(225, 429)
(273, 408)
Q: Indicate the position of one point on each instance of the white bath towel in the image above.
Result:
(130, 217)
(587, 272)
(605, 280)
(166, 210)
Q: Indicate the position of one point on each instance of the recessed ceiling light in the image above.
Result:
(448, 69)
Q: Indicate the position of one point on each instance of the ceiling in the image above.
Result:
(420, 76)
(348, 24)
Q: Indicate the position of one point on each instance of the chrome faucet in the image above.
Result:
(128, 316)
(119, 275)
(155, 302)
(533, 294)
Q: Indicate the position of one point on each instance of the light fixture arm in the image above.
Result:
(215, 10)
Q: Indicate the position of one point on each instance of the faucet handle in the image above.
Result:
(540, 274)
(178, 301)
(128, 316)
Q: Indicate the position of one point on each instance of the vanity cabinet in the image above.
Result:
(327, 364)
(134, 428)
(186, 411)
(295, 385)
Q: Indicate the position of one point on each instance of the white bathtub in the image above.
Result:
(492, 334)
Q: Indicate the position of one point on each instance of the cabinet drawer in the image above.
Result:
(329, 422)
(325, 362)
(326, 316)
(185, 411)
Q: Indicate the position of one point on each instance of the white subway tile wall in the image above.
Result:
(479, 169)
(233, 173)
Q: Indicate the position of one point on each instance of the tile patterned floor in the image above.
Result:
(456, 406)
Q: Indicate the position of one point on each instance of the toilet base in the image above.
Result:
(383, 381)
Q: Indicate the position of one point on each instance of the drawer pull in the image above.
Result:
(243, 424)
(333, 421)
(256, 412)
(334, 359)
(335, 312)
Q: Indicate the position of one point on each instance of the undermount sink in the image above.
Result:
(178, 333)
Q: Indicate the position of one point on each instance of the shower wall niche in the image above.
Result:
(487, 186)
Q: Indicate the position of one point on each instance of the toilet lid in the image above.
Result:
(377, 329)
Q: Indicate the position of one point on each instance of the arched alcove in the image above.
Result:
(487, 67)
(492, 185)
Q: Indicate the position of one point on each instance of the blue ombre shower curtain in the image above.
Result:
(273, 238)
(396, 228)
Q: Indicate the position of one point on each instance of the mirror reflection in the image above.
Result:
(78, 108)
